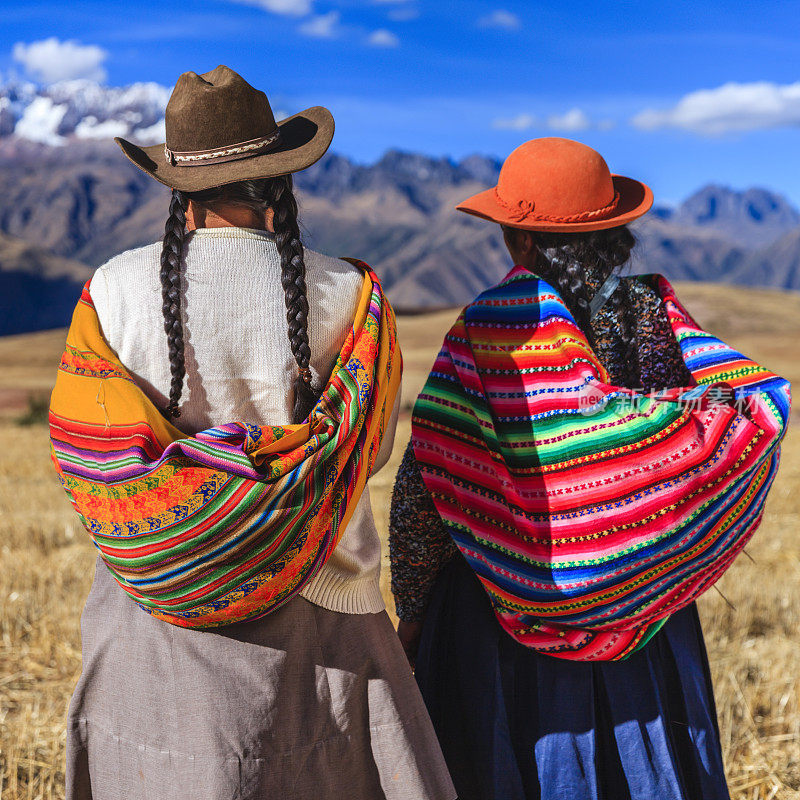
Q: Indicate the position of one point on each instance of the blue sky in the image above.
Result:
(678, 94)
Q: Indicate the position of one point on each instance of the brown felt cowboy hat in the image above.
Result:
(220, 130)
(555, 184)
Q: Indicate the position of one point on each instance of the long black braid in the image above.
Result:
(171, 256)
(566, 259)
(274, 193)
(293, 277)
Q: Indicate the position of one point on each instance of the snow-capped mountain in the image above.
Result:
(82, 109)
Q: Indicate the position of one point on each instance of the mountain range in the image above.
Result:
(69, 201)
(82, 109)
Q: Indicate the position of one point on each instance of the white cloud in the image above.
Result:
(383, 38)
(323, 26)
(51, 60)
(522, 122)
(501, 19)
(287, 8)
(728, 108)
(573, 120)
(40, 120)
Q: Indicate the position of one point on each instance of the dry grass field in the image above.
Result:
(753, 632)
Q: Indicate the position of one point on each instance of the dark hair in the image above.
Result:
(565, 259)
(274, 193)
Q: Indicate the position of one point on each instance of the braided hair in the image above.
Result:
(171, 253)
(259, 195)
(565, 260)
(293, 278)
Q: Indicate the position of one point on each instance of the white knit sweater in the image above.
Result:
(239, 365)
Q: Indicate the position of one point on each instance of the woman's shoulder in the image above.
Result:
(333, 284)
(521, 296)
(322, 266)
(125, 275)
(129, 266)
(135, 256)
(333, 288)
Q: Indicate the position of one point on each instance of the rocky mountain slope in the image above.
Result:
(751, 218)
(83, 200)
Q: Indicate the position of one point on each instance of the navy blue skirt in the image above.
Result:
(517, 725)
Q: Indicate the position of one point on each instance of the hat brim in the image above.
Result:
(635, 199)
(305, 138)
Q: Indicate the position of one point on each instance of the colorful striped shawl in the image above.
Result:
(231, 523)
(590, 512)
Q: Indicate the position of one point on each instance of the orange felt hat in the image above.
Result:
(555, 184)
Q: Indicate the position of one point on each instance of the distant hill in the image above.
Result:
(83, 200)
(38, 290)
(750, 218)
(775, 265)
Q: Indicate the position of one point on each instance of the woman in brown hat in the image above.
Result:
(526, 708)
(314, 699)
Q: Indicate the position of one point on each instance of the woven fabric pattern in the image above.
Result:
(591, 512)
(228, 524)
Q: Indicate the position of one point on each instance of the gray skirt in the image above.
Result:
(304, 703)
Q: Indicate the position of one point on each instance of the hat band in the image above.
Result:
(523, 209)
(194, 158)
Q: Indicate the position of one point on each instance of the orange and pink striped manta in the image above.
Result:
(229, 524)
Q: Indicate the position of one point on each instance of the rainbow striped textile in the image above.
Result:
(231, 523)
(591, 512)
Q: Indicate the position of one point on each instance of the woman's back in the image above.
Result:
(239, 365)
(562, 656)
(245, 710)
(267, 535)
(591, 729)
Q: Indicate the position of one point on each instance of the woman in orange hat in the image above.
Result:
(571, 486)
(223, 399)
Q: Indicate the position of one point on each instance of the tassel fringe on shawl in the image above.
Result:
(231, 523)
(589, 512)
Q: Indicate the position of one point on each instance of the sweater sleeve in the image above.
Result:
(100, 292)
(387, 443)
(419, 544)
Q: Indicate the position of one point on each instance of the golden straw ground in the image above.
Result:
(46, 563)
